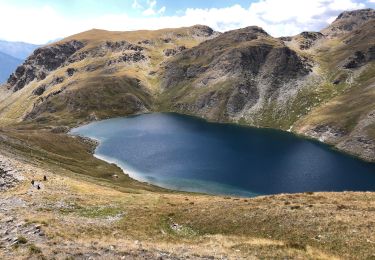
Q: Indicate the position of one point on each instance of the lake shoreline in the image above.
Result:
(167, 183)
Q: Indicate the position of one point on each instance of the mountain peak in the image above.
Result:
(255, 29)
(364, 14)
(246, 34)
(202, 30)
(349, 21)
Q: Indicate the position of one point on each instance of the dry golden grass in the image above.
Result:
(84, 214)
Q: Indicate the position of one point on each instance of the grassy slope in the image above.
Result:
(104, 91)
(350, 101)
(80, 216)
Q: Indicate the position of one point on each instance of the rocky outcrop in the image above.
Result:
(132, 57)
(41, 63)
(9, 175)
(70, 71)
(97, 74)
(43, 87)
(360, 58)
(326, 133)
(215, 54)
(308, 39)
(203, 31)
(349, 21)
(174, 51)
(357, 141)
(251, 67)
(126, 51)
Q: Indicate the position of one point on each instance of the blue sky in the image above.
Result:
(38, 21)
(89, 8)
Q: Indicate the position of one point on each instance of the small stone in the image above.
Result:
(8, 219)
(38, 227)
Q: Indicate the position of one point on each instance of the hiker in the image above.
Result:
(32, 182)
(38, 187)
(45, 178)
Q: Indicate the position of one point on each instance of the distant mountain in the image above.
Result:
(53, 41)
(19, 50)
(7, 65)
(13, 54)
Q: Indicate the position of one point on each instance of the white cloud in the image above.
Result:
(151, 8)
(287, 17)
(290, 17)
(162, 10)
(137, 5)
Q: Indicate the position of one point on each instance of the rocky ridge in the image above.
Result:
(245, 70)
(298, 83)
(348, 21)
(41, 63)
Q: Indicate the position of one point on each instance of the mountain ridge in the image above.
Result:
(244, 76)
(19, 50)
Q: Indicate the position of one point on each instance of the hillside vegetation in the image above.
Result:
(302, 83)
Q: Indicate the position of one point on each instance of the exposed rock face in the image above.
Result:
(97, 74)
(43, 87)
(70, 71)
(41, 63)
(173, 52)
(349, 21)
(203, 31)
(356, 142)
(360, 58)
(308, 39)
(132, 57)
(9, 175)
(326, 133)
(128, 52)
(252, 67)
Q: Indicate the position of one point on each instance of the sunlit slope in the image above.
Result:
(318, 84)
(95, 74)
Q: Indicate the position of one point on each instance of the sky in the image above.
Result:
(40, 21)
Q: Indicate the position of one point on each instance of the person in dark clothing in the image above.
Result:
(45, 178)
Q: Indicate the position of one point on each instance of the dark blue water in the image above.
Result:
(190, 154)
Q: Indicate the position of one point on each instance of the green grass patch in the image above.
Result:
(91, 211)
(34, 250)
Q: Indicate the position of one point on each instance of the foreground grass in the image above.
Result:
(83, 210)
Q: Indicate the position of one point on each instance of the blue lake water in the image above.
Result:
(190, 154)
